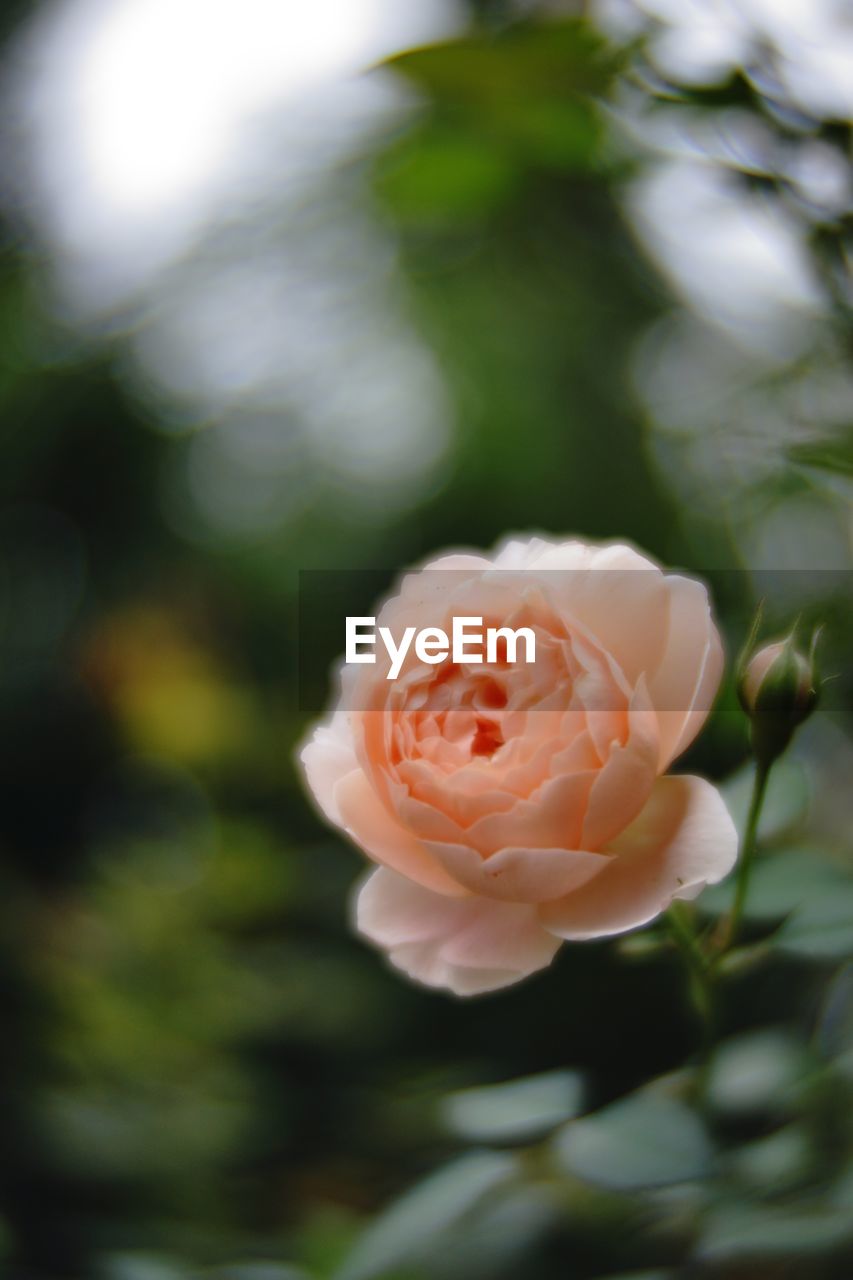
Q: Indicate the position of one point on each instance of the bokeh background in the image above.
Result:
(337, 285)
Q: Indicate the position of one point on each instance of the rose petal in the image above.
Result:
(683, 686)
(465, 945)
(520, 875)
(551, 818)
(683, 840)
(533, 553)
(602, 586)
(625, 781)
(328, 756)
(384, 839)
(621, 585)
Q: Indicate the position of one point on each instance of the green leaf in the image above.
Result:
(785, 803)
(523, 98)
(641, 1275)
(835, 1031)
(259, 1271)
(753, 1232)
(757, 1072)
(773, 1164)
(440, 174)
(834, 453)
(410, 1225)
(142, 1266)
(645, 1140)
(555, 132)
(781, 883)
(515, 1111)
(497, 1239)
(547, 60)
(822, 929)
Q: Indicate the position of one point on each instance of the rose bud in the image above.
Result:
(778, 692)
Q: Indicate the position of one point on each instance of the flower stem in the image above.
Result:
(702, 959)
(700, 974)
(732, 924)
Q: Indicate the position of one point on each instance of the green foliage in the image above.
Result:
(513, 1111)
(410, 1228)
(833, 454)
(553, 60)
(645, 1140)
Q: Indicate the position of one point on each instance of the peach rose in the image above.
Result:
(511, 806)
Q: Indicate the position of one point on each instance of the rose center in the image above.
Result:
(487, 738)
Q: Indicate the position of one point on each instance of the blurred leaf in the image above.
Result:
(773, 1164)
(555, 133)
(497, 1239)
(520, 98)
(744, 1231)
(742, 960)
(516, 1110)
(822, 928)
(835, 1030)
(141, 1266)
(554, 59)
(835, 453)
(757, 1072)
(644, 1140)
(443, 174)
(120, 1132)
(785, 803)
(841, 1196)
(411, 1224)
(781, 882)
(640, 1275)
(259, 1271)
(249, 878)
(643, 946)
(324, 1237)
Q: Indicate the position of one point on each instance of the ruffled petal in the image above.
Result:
(466, 946)
(683, 840)
(326, 757)
(623, 785)
(519, 875)
(600, 586)
(684, 685)
(366, 820)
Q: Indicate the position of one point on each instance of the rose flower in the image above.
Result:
(510, 806)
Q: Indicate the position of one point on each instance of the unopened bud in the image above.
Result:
(778, 691)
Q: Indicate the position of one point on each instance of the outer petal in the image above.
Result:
(600, 585)
(366, 820)
(621, 598)
(520, 875)
(466, 945)
(683, 840)
(328, 756)
(684, 684)
(536, 553)
(624, 783)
